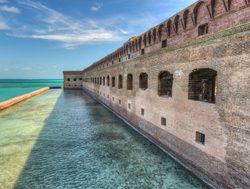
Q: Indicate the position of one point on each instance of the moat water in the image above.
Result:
(65, 139)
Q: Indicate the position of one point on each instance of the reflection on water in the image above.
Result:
(82, 145)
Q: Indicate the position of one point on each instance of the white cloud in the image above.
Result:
(10, 9)
(3, 25)
(3, 1)
(55, 26)
(96, 7)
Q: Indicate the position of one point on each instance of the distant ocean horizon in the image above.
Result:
(10, 88)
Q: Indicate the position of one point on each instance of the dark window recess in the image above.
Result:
(100, 81)
(119, 59)
(112, 61)
(143, 83)
(203, 29)
(142, 52)
(113, 81)
(163, 121)
(130, 82)
(120, 82)
(108, 81)
(113, 99)
(120, 101)
(202, 85)
(74, 79)
(128, 56)
(165, 84)
(68, 79)
(142, 111)
(200, 138)
(80, 79)
(129, 106)
(164, 44)
(103, 81)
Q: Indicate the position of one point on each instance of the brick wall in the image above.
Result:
(224, 158)
(182, 27)
(72, 79)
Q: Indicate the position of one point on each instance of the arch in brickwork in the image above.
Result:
(176, 23)
(154, 35)
(185, 18)
(149, 38)
(145, 40)
(160, 32)
(196, 10)
(201, 14)
(219, 6)
(140, 42)
(169, 25)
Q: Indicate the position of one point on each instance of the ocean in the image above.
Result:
(10, 88)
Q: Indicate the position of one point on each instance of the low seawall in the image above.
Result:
(13, 101)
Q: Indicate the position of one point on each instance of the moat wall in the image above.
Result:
(224, 158)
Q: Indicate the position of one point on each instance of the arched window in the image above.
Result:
(120, 82)
(165, 83)
(202, 85)
(108, 80)
(100, 80)
(130, 82)
(113, 81)
(103, 81)
(143, 83)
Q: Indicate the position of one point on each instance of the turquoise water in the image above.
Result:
(10, 88)
(65, 139)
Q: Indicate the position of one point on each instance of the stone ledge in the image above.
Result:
(13, 101)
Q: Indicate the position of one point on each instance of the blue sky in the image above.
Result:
(41, 38)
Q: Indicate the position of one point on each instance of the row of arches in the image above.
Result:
(198, 15)
(202, 84)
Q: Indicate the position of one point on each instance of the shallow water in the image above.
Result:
(10, 88)
(67, 140)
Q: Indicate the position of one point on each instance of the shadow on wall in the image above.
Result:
(82, 145)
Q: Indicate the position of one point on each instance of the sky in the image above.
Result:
(41, 38)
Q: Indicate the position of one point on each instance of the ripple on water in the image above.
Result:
(79, 144)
